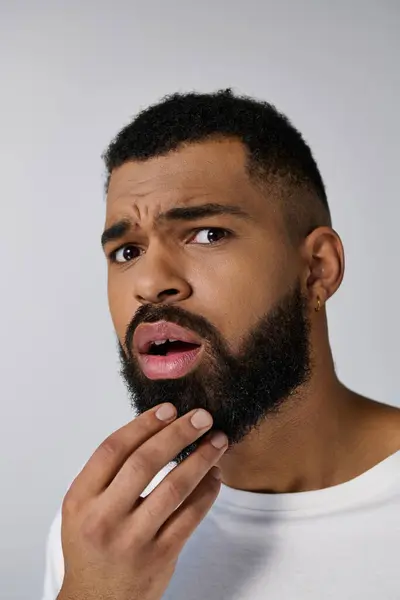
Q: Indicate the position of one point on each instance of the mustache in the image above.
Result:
(149, 313)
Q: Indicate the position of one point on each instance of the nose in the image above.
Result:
(158, 279)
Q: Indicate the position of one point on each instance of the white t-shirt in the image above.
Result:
(341, 542)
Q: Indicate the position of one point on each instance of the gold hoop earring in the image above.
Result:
(318, 307)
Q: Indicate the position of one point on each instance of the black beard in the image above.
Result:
(240, 390)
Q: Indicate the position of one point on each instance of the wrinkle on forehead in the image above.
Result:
(142, 211)
(169, 186)
(213, 171)
(212, 163)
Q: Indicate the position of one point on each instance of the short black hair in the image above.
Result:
(277, 153)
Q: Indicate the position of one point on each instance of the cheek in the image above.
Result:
(238, 291)
(121, 304)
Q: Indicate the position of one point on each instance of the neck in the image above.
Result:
(323, 436)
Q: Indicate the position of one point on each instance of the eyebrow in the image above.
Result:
(187, 213)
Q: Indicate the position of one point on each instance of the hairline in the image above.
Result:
(259, 176)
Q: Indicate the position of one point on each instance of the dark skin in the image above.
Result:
(329, 435)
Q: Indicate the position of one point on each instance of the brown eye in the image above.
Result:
(125, 254)
(210, 235)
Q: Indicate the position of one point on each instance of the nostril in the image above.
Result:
(170, 292)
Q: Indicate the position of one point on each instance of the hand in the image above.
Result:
(115, 543)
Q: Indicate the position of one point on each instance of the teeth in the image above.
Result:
(160, 342)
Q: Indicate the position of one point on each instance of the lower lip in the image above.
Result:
(171, 366)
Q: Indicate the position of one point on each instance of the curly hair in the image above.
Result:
(276, 151)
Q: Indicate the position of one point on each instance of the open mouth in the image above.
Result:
(169, 347)
(167, 351)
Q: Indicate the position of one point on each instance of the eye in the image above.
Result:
(210, 235)
(125, 254)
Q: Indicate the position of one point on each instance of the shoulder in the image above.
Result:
(380, 424)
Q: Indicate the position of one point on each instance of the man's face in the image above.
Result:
(231, 280)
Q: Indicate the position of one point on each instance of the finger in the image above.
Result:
(165, 499)
(109, 457)
(142, 466)
(175, 532)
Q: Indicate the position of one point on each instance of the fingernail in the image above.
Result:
(219, 440)
(201, 419)
(166, 412)
(216, 473)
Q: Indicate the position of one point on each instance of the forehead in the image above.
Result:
(212, 168)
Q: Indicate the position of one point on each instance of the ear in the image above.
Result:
(323, 255)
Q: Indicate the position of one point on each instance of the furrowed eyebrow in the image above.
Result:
(185, 213)
(115, 231)
(190, 213)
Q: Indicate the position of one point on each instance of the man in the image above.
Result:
(221, 259)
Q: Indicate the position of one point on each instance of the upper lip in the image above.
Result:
(147, 333)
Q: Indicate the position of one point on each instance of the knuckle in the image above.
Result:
(205, 456)
(69, 504)
(128, 543)
(111, 446)
(140, 463)
(153, 510)
(185, 434)
(94, 530)
(169, 544)
(174, 491)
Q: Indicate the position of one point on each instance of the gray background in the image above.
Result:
(72, 74)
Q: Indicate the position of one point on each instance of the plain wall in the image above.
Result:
(72, 74)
